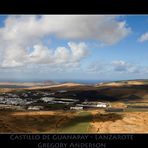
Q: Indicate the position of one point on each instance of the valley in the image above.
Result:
(70, 107)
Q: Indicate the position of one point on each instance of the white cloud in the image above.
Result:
(43, 55)
(78, 51)
(40, 54)
(98, 67)
(22, 32)
(62, 54)
(143, 37)
(119, 66)
(122, 66)
(103, 28)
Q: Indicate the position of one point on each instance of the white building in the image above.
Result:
(62, 91)
(47, 99)
(94, 104)
(25, 95)
(12, 101)
(35, 107)
(104, 105)
(76, 108)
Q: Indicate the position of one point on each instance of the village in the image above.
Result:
(41, 100)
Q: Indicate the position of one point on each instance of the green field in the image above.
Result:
(78, 124)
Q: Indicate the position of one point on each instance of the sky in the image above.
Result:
(73, 47)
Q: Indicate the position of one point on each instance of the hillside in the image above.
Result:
(131, 96)
(124, 83)
(111, 91)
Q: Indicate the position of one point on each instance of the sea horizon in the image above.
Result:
(82, 81)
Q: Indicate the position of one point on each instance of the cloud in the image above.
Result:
(98, 67)
(118, 66)
(125, 67)
(43, 55)
(103, 28)
(78, 51)
(21, 33)
(40, 54)
(143, 37)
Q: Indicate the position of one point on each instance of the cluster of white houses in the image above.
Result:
(35, 108)
(77, 106)
(14, 101)
(52, 100)
(74, 104)
(90, 105)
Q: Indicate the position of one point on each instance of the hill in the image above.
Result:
(134, 90)
(124, 83)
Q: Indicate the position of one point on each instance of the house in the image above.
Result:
(47, 99)
(103, 105)
(35, 107)
(94, 104)
(25, 95)
(62, 91)
(12, 101)
(76, 108)
(3, 106)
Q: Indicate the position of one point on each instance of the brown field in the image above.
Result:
(32, 122)
(53, 121)
(131, 122)
(35, 86)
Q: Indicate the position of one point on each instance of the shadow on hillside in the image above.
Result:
(89, 118)
(108, 117)
(44, 123)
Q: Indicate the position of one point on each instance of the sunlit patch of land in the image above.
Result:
(127, 122)
(32, 122)
(124, 83)
(128, 112)
(92, 121)
(33, 113)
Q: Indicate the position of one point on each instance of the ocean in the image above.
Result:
(83, 81)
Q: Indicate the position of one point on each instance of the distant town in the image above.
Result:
(74, 107)
(41, 100)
